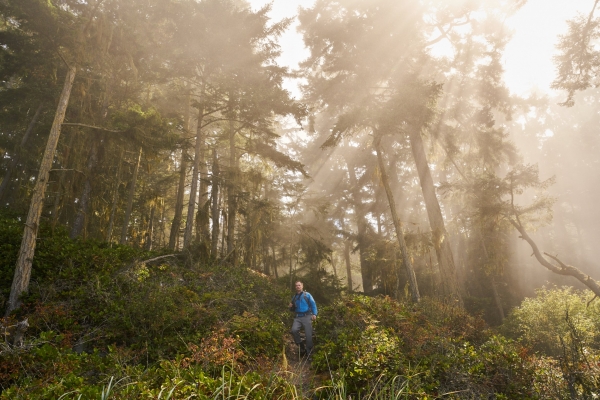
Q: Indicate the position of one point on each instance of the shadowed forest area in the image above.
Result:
(161, 191)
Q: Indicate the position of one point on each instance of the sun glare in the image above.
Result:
(537, 26)
(527, 59)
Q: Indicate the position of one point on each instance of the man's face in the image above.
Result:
(299, 287)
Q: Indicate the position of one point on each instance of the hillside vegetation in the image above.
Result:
(105, 324)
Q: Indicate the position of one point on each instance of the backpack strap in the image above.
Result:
(303, 296)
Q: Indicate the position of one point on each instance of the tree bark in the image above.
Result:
(495, 293)
(274, 262)
(20, 283)
(150, 232)
(60, 195)
(436, 220)
(176, 224)
(198, 150)
(113, 208)
(410, 272)
(17, 156)
(231, 195)
(130, 200)
(79, 222)
(215, 205)
(347, 246)
(361, 223)
(348, 265)
(202, 217)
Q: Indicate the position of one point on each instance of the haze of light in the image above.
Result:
(528, 56)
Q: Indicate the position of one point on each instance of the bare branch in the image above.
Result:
(154, 259)
(92, 127)
(567, 270)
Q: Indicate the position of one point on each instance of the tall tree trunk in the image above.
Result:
(79, 222)
(20, 283)
(267, 259)
(215, 205)
(60, 195)
(198, 150)
(223, 223)
(493, 283)
(334, 267)
(130, 200)
(231, 195)
(274, 262)
(347, 245)
(176, 224)
(162, 239)
(202, 217)
(150, 232)
(17, 156)
(436, 220)
(115, 198)
(410, 272)
(361, 223)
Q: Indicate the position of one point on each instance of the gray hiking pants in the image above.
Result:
(306, 323)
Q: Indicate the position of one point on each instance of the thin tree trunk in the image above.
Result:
(361, 223)
(347, 246)
(215, 205)
(203, 219)
(79, 222)
(333, 266)
(410, 272)
(436, 221)
(291, 265)
(495, 293)
(58, 204)
(20, 283)
(113, 207)
(17, 156)
(348, 265)
(162, 240)
(176, 224)
(224, 223)
(274, 262)
(130, 200)
(198, 150)
(150, 232)
(231, 195)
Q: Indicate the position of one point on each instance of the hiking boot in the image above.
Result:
(302, 348)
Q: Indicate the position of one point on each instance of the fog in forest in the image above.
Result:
(389, 155)
(193, 190)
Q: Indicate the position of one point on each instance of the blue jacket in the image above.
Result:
(303, 302)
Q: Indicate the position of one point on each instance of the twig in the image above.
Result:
(156, 258)
(92, 127)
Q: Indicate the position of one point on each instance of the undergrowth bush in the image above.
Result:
(545, 321)
(429, 349)
(106, 324)
(564, 324)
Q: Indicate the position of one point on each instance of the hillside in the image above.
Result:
(104, 323)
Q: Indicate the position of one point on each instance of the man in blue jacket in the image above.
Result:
(305, 308)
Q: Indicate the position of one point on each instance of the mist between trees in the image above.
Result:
(164, 125)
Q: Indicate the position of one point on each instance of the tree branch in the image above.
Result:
(92, 127)
(567, 270)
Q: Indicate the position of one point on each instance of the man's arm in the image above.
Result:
(313, 305)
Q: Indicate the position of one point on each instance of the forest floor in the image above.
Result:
(301, 375)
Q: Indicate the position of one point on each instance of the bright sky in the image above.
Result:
(528, 57)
